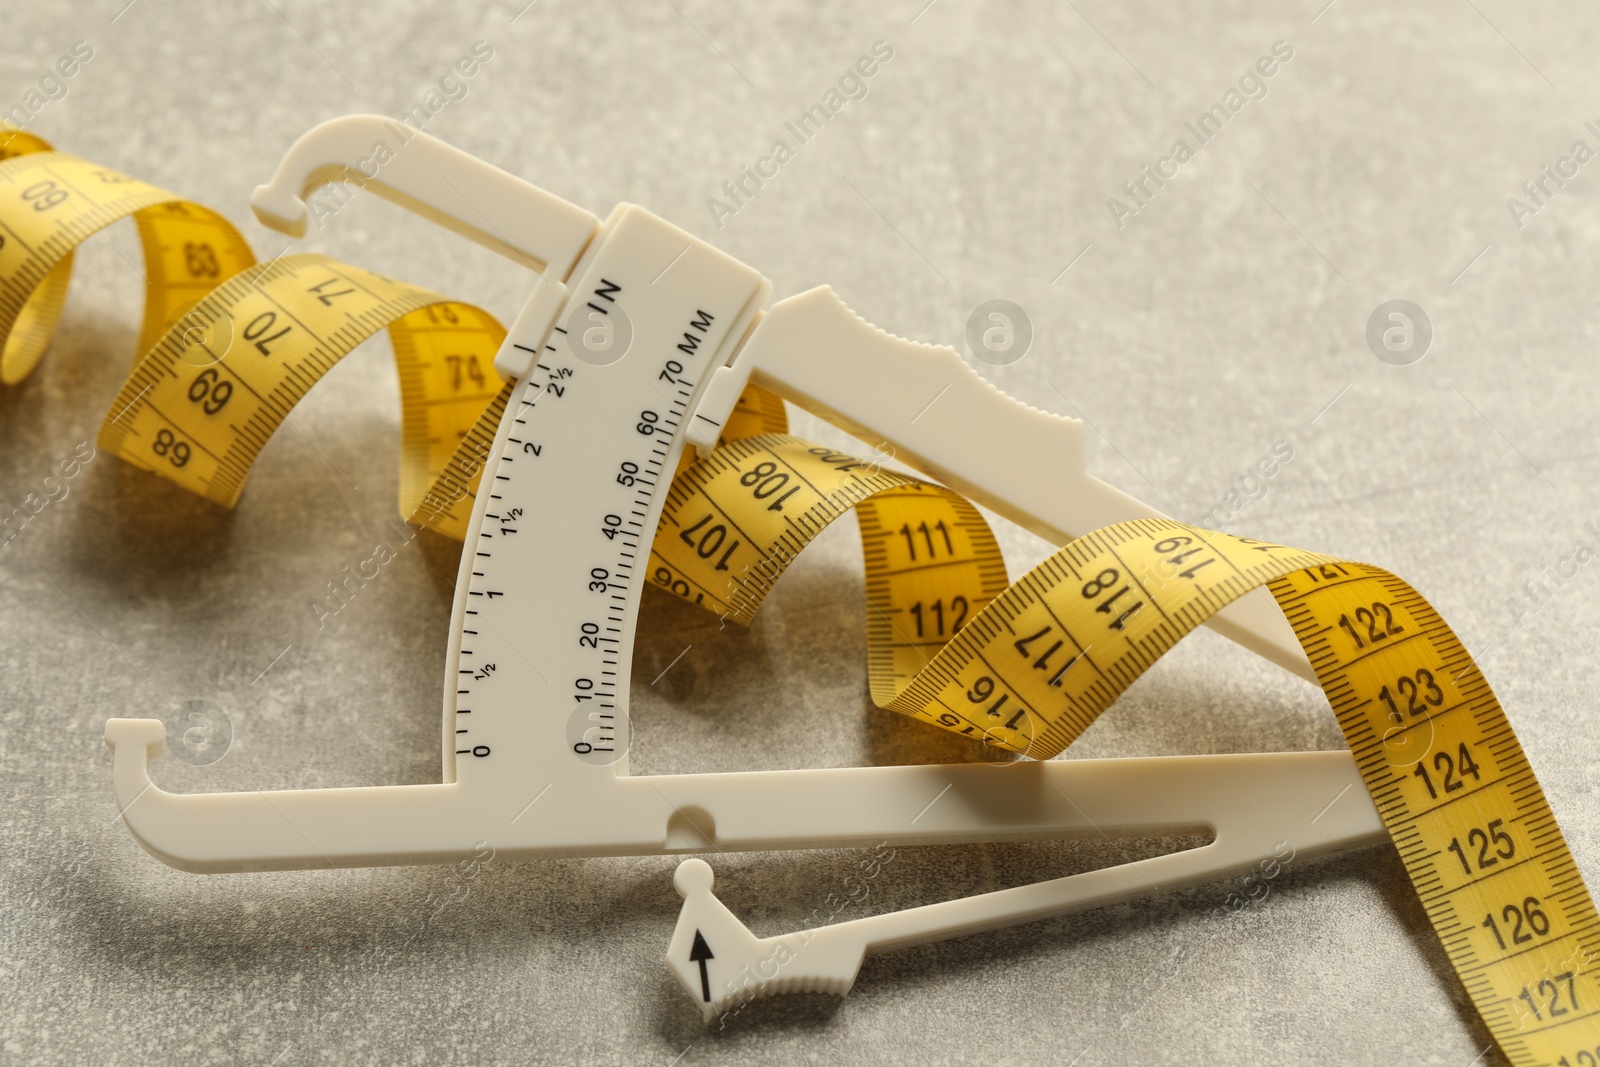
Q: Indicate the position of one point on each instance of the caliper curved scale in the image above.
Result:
(534, 576)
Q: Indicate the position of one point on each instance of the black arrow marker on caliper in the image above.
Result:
(699, 952)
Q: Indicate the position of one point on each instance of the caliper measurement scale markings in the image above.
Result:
(555, 603)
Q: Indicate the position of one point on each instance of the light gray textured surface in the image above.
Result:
(1227, 315)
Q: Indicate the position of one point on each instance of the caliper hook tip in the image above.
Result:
(279, 209)
(123, 736)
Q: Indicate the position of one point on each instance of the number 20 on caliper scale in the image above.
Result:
(560, 546)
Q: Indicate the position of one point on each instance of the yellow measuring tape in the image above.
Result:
(230, 346)
(201, 404)
(50, 203)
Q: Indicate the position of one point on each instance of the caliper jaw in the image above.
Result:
(722, 965)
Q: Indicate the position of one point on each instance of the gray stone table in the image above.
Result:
(1197, 322)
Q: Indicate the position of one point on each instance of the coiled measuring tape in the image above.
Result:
(1023, 667)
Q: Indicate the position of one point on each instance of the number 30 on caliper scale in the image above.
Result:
(596, 431)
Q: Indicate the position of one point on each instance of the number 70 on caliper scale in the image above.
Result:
(600, 429)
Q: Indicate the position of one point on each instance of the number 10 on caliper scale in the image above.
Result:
(592, 435)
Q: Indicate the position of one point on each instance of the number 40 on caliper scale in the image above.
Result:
(687, 330)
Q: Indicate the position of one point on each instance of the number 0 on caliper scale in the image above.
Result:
(598, 431)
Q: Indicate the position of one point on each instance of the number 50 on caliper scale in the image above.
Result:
(557, 555)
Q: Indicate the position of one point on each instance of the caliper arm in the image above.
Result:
(922, 405)
(441, 183)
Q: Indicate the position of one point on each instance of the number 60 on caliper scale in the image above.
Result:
(687, 330)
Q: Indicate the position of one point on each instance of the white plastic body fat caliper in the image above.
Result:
(508, 736)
